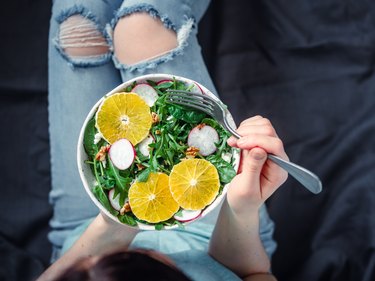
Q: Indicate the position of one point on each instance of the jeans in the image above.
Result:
(77, 82)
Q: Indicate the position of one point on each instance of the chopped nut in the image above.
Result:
(157, 132)
(125, 209)
(140, 166)
(200, 126)
(102, 153)
(155, 117)
(191, 152)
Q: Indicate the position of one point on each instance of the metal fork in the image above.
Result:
(218, 111)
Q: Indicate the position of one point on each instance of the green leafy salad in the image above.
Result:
(172, 134)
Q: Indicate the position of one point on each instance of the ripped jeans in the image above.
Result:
(95, 46)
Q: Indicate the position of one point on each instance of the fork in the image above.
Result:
(219, 111)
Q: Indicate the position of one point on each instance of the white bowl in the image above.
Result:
(85, 171)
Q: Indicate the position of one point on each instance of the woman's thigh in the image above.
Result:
(80, 72)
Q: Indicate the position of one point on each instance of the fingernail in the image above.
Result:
(231, 139)
(241, 141)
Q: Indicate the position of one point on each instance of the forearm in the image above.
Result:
(101, 236)
(260, 277)
(236, 243)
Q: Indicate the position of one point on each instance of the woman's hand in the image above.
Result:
(102, 236)
(235, 241)
(258, 178)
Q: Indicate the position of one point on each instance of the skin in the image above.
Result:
(235, 241)
(237, 228)
(139, 37)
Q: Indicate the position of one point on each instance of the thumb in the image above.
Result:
(253, 161)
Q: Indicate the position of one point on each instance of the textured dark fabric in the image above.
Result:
(24, 28)
(306, 65)
(24, 166)
(309, 67)
(25, 184)
(16, 264)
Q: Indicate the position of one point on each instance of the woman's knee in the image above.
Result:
(139, 37)
(80, 37)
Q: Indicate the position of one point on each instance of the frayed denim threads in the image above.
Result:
(81, 61)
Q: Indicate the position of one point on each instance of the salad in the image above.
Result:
(155, 148)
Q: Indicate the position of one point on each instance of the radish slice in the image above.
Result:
(143, 145)
(115, 202)
(187, 215)
(196, 89)
(204, 138)
(122, 154)
(146, 92)
(164, 81)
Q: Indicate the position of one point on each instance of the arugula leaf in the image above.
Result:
(127, 219)
(143, 176)
(178, 85)
(225, 169)
(165, 85)
(151, 83)
(88, 139)
(186, 114)
(159, 226)
(103, 199)
(120, 181)
(130, 87)
(107, 182)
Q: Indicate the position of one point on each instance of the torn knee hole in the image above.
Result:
(139, 37)
(80, 37)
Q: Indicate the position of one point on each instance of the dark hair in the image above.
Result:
(123, 265)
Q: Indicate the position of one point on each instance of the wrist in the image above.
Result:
(112, 235)
(241, 221)
(245, 213)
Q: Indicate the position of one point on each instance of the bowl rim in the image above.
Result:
(82, 167)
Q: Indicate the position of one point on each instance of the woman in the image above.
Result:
(95, 46)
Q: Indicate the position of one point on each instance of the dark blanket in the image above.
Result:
(25, 177)
(309, 67)
(306, 65)
(24, 166)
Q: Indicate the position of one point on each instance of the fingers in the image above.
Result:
(257, 121)
(255, 125)
(255, 166)
(250, 119)
(260, 126)
(253, 161)
(258, 177)
(258, 132)
(272, 145)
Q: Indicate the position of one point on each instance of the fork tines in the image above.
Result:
(191, 99)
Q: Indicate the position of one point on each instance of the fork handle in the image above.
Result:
(304, 176)
(308, 179)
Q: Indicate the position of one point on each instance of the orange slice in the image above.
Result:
(124, 115)
(152, 200)
(194, 183)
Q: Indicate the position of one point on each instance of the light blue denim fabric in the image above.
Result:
(76, 84)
